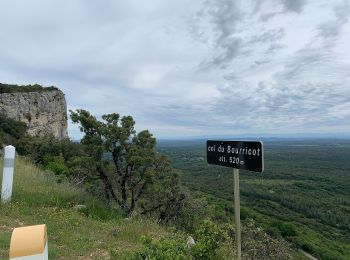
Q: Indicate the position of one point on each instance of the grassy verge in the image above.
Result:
(91, 233)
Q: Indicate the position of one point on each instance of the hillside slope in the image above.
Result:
(74, 232)
(80, 227)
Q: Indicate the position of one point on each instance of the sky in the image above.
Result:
(188, 67)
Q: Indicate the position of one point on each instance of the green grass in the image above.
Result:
(92, 233)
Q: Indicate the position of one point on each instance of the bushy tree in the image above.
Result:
(165, 197)
(11, 129)
(2, 138)
(126, 163)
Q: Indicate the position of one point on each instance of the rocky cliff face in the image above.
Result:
(44, 112)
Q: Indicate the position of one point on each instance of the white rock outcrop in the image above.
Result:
(44, 112)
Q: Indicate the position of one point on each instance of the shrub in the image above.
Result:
(43, 149)
(8, 88)
(12, 127)
(164, 249)
(209, 238)
(96, 209)
(256, 244)
(58, 167)
(283, 228)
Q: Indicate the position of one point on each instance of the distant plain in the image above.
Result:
(303, 195)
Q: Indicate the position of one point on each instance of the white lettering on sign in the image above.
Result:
(211, 148)
(243, 151)
(245, 155)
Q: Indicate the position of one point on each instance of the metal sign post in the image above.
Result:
(245, 155)
(237, 213)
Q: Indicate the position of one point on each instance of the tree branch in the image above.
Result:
(107, 184)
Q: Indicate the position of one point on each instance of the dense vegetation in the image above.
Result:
(114, 174)
(303, 195)
(135, 178)
(80, 226)
(8, 88)
(11, 129)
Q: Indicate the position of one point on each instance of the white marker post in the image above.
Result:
(237, 213)
(7, 174)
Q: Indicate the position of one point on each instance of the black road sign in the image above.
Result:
(244, 155)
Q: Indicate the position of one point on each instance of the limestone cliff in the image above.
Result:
(44, 110)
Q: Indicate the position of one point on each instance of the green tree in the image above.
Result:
(2, 138)
(126, 163)
(165, 197)
(11, 129)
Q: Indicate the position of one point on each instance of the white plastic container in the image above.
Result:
(29, 243)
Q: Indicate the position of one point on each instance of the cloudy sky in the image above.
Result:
(188, 67)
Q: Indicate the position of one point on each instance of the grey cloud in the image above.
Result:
(233, 74)
(306, 97)
(273, 48)
(269, 36)
(256, 6)
(266, 17)
(223, 16)
(294, 5)
(305, 90)
(285, 108)
(259, 63)
(229, 49)
(332, 28)
(342, 11)
(227, 21)
(303, 60)
(289, 6)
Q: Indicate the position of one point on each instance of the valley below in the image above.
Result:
(302, 196)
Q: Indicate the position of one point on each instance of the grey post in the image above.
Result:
(237, 213)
